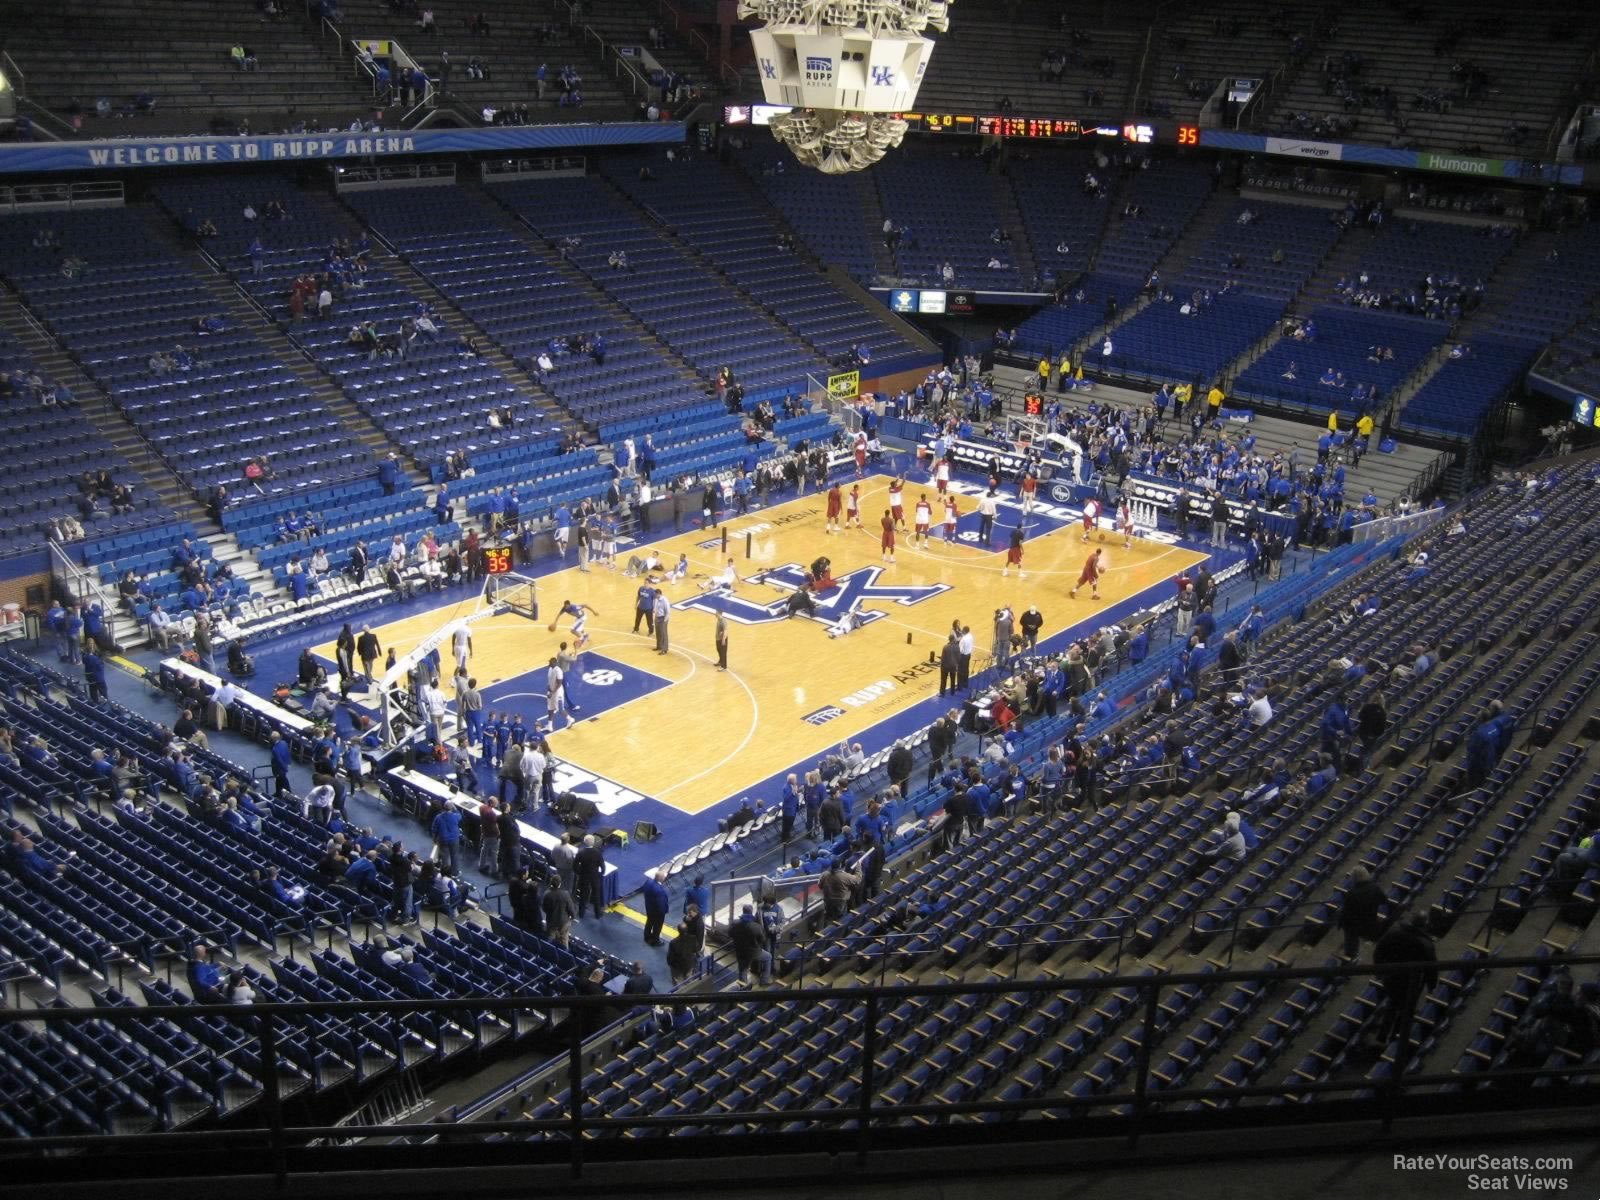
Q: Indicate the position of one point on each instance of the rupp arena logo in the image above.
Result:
(819, 70)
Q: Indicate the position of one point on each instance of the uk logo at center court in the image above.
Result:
(851, 593)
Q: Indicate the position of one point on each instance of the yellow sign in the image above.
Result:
(846, 386)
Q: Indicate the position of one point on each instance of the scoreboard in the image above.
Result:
(1006, 125)
(1063, 128)
(997, 125)
(497, 560)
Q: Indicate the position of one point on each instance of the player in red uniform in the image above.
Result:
(1091, 516)
(1092, 568)
(1125, 523)
(924, 517)
(941, 475)
(897, 502)
(835, 504)
(888, 535)
(951, 515)
(852, 506)
(861, 454)
(1014, 554)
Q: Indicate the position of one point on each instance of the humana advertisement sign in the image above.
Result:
(1460, 164)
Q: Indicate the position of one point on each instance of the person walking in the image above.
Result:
(368, 650)
(1407, 942)
(749, 939)
(837, 886)
(488, 838)
(988, 506)
(1361, 914)
(558, 913)
(344, 651)
(656, 902)
(588, 873)
(446, 831)
(683, 954)
(722, 642)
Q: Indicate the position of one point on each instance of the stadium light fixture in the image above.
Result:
(846, 69)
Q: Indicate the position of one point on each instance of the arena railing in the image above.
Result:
(274, 1138)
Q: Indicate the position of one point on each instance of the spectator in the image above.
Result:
(685, 950)
(749, 940)
(205, 977)
(1361, 914)
(1406, 942)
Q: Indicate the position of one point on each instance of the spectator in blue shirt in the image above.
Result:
(74, 631)
(656, 904)
(362, 874)
(1336, 726)
(280, 764)
(446, 831)
(94, 677)
(205, 978)
(697, 896)
(789, 808)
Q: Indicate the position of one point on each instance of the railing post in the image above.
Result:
(575, 1090)
(270, 1094)
(1141, 1082)
(869, 1077)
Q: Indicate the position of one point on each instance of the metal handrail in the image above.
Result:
(577, 1126)
(14, 73)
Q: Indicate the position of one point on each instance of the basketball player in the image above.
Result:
(462, 643)
(835, 504)
(555, 696)
(567, 660)
(941, 475)
(888, 535)
(1092, 568)
(580, 621)
(723, 580)
(861, 454)
(951, 516)
(924, 519)
(1125, 523)
(1014, 554)
(1091, 516)
(852, 506)
(897, 502)
(1030, 488)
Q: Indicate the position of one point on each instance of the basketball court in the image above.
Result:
(674, 728)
